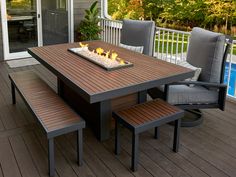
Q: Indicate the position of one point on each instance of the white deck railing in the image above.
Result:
(111, 31)
(170, 45)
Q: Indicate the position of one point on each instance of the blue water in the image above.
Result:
(232, 82)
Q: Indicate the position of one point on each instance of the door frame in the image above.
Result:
(6, 51)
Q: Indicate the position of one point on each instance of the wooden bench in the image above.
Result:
(143, 117)
(55, 116)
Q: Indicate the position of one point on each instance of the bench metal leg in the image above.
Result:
(135, 144)
(13, 93)
(157, 133)
(117, 138)
(80, 147)
(176, 135)
(51, 162)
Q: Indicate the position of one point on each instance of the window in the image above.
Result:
(21, 4)
(61, 4)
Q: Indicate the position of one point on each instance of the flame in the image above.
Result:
(114, 56)
(122, 62)
(107, 54)
(83, 45)
(99, 51)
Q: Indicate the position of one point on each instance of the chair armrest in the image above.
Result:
(206, 84)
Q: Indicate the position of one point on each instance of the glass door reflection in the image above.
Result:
(22, 24)
(55, 22)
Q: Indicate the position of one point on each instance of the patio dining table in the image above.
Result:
(95, 92)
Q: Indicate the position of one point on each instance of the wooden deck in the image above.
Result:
(208, 150)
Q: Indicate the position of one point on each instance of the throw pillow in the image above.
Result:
(133, 48)
(187, 65)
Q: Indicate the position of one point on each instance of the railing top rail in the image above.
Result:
(112, 23)
(172, 30)
(157, 28)
(106, 19)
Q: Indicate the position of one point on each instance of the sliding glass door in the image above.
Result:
(55, 24)
(31, 23)
(20, 26)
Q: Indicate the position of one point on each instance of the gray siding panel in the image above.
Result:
(79, 8)
(1, 40)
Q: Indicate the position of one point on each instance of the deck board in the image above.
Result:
(23, 157)
(8, 162)
(37, 153)
(207, 150)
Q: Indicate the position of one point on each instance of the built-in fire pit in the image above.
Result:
(108, 60)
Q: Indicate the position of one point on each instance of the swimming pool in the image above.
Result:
(232, 83)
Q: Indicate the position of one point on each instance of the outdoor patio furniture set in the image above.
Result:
(92, 92)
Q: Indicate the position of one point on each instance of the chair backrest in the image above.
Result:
(139, 33)
(208, 50)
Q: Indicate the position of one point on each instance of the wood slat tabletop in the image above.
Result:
(96, 84)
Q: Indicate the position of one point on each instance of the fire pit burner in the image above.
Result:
(107, 60)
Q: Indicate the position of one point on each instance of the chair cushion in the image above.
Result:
(206, 51)
(133, 48)
(187, 65)
(139, 33)
(182, 94)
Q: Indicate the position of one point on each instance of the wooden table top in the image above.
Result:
(96, 84)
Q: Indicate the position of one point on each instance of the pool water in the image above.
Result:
(232, 82)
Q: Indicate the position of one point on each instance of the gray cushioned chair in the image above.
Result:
(139, 33)
(207, 50)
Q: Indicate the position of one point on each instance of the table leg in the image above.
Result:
(97, 115)
(142, 96)
(59, 87)
(103, 120)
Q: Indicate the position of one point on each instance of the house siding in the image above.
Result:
(79, 8)
(1, 40)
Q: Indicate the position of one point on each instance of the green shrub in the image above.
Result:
(88, 28)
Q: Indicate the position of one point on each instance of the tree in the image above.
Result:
(185, 12)
(135, 10)
(220, 12)
(131, 9)
(119, 8)
(178, 13)
(153, 8)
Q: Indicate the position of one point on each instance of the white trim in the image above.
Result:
(4, 29)
(70, 6)
(5, 37)
(39, 23)
(18, 55)
(104, 9)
